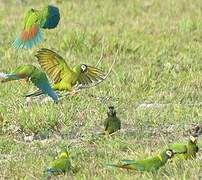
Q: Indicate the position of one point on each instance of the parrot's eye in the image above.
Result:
(169, 153)
(111, 108)
(192, 138)
(111, 111)
(83, 67)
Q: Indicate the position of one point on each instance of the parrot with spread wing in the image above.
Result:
(67, 79)
(186, 150)
(36, 76)
(60, 165)
(47, 18)
(112, 122)
(150, 164)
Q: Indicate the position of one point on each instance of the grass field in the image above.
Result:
(159, 63)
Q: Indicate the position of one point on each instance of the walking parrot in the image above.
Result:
(60, 165)
(150, 164)
(67, 79)
(36, 76)
(46, 18)
(112, 122)
(186, 150)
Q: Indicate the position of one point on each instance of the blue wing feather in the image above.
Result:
(53, 18)
(9, 77)
(46, 88)
(18, 43)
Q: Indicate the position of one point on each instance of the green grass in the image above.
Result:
(159, 61)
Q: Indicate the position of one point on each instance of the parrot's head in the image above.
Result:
(111, 111)
(81, 68)
(168, 153)
(64, 154)
(193, 139)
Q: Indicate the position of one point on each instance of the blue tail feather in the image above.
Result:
(53, 18)
(111, 165)
(128, 161)
(9, 76)
(48, 90)
(18, 43)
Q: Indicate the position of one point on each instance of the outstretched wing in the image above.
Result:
(46, 89)
(53, 64)
(31, 34)
(51, 17)
(90, 76)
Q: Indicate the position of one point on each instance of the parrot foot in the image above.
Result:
(28, 101)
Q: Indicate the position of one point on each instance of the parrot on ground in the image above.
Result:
(186, 150)
(46, 18)
(33, 74)
(60, 165)
(150, 164)
(112, 123)
(64, 78)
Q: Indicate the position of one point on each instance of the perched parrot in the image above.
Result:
(149, 164)
(36, 76)
(60, 165)
(47, 18)
(187, 151)
(67, 79)
(112, 122)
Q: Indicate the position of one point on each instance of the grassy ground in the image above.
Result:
(159, 63)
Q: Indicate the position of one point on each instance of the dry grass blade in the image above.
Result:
(101, 56)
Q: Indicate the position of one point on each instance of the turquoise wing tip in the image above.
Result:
(53, 18)
(51, 171)
(126, 161)
(19, 44)
(109, 165)
(3, 75)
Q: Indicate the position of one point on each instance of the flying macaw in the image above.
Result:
(67, 79)
(47, 18)
(112, 122)
(186, 150)
(36, 76)
(60, 165)
(150, 164)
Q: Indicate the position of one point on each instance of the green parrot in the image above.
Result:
(187, 151)
(36, 76)
(150, 164)
(67, 79)
(47, 18)
(112, 122)
(60, 165)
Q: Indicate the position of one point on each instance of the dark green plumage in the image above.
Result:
(112, 122)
